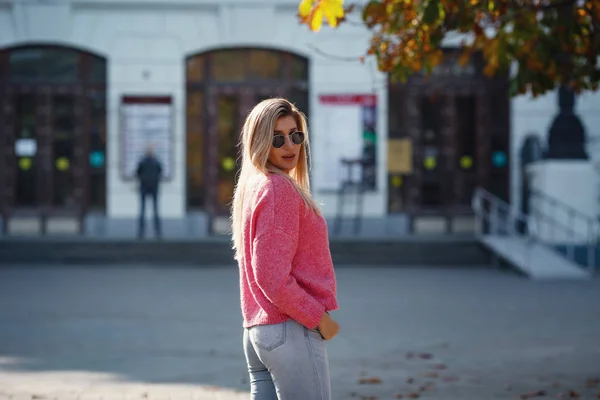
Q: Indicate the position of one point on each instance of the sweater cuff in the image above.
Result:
(313, 323)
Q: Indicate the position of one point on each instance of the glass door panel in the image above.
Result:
(97, 154)
(228, 130)
(25, 147)
(466, 148)
(432, 185)
(63, 143)
(195, 138)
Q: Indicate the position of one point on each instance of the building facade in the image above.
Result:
(85, 85)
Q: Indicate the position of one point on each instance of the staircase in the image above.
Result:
(514, 237)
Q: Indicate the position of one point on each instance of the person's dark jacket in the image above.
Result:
(149, 172)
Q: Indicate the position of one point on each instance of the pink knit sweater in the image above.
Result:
(286, 269)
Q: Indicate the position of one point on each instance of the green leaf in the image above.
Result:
(432, 12)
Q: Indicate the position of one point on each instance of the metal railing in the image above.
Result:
(494, 216)
(575, 220)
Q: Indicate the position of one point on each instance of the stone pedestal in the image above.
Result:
(564, 198)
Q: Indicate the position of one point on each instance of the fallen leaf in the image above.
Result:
(369, 381)
(450, 379)
(573, 394)
(531, 395)
(592, 382)
(439, 366)
(410, 380)
(426, 356)
(427, 386)
(413, 395)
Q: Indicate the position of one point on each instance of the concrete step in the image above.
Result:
(534, 259)
(440, 251)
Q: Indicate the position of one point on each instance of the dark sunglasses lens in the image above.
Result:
(298, 137)
(278, 141)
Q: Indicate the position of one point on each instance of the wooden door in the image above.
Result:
(227, 109)
(45, 155)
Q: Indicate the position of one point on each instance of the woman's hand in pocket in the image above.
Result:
(328, 327)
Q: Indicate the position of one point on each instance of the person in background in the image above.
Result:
(287, 279)
(149, 174)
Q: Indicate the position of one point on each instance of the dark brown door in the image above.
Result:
(451, 147)
(227, 108)
(47, 168)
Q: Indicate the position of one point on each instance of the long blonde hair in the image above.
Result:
(255, 143)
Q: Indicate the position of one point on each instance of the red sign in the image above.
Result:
(349, 99)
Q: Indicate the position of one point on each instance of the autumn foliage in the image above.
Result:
(547, 42)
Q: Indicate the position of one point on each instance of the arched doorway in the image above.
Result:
(53, 136)
(455, 126)
(222, 86)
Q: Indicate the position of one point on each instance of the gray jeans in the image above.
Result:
(287, 361)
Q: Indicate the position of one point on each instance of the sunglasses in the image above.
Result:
(279, 140)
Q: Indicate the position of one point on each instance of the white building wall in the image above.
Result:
(535, 115)
(146, 43)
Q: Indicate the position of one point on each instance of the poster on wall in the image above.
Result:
(146, 121)
(349, 132)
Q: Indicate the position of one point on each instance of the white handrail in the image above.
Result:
(497, 214)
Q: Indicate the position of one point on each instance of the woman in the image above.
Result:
(287, 281)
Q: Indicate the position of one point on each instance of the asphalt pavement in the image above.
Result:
(140, 332)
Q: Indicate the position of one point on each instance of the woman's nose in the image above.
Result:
(288, 142)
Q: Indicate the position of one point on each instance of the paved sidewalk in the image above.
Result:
(174, 333)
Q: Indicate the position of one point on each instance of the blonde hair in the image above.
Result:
(255, 142)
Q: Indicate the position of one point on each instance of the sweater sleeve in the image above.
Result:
(277, 219)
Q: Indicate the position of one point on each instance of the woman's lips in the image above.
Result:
(290, 157)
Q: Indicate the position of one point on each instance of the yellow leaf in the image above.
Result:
(493, 61)
(489, 70)
(464, 58)
(389, 8)
(305, 7)
(333, 10)
(316, 19)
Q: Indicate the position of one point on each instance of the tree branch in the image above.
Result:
(548, 6)
(332, 56)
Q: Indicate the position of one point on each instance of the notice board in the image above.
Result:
(146, 121)
(348, 131)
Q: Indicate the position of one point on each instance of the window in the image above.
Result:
(43, 64)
